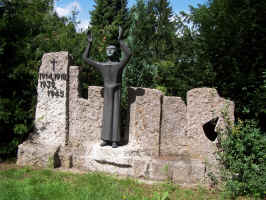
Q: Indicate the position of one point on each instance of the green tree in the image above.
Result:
(107, 16)
(141, 70)
(189, 66)
(28, 29)
(152, 35)
(165, 28)
(232, 34)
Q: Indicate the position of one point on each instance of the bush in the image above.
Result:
(243, 156)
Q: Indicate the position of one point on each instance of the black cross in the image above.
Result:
(53, 62)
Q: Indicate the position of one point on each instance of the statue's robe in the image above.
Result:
(112, 75)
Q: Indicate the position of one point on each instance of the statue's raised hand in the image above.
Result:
(89, 34)
(120, 33)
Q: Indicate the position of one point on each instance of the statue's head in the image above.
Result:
(110, 50)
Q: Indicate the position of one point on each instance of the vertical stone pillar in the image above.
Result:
(85, 121)
(144, 122)
(51, 118)
(73, 106)
(85, 114)
(203, 105)
(173, 138)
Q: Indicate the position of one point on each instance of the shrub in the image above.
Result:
(243, 155)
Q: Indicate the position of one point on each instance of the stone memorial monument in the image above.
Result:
(112, 75)
(51, 118)
(168, 139)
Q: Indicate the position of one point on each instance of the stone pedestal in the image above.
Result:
(38, 155)
(129, 161)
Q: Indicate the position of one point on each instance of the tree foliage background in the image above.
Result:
(219, 44)
(232, 35)
(28, 29)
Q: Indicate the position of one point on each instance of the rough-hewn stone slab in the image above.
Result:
(51, 119)
(37, 155)
(189, 172)
(110, 160)
(204, 104)
(145, 115)
(85, 115)
(85, 118)
(173, 126)
(128, 161)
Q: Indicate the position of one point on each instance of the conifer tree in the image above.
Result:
(107, 12)
(107, 16)
(165, 28)
(151, 39)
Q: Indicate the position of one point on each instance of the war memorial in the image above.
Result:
(164, 138)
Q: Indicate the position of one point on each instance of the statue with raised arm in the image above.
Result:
(112, 75)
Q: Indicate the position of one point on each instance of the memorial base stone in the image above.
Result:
(129, 161)
(38, 155)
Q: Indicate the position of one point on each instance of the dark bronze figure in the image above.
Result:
(112, 75)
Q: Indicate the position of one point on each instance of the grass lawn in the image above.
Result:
(25, 183)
